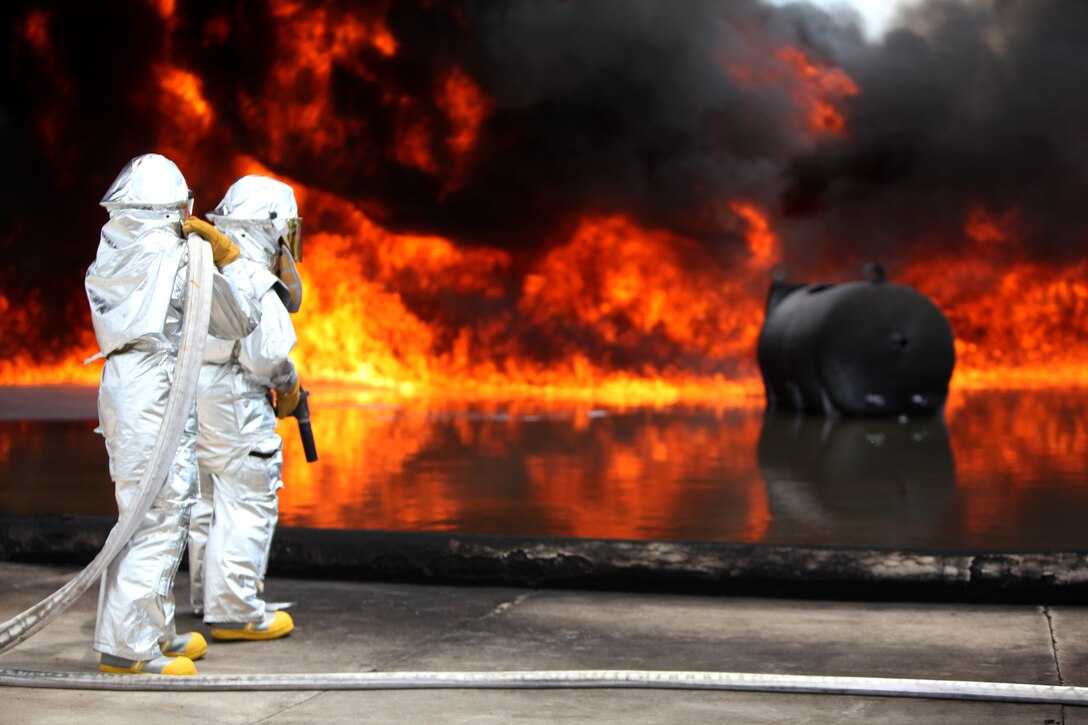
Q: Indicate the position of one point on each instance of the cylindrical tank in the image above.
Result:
(865, 348)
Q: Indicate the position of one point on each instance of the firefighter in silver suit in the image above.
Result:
(136, 289)
(238, 451)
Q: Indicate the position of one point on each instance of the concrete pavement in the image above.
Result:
(368, 626)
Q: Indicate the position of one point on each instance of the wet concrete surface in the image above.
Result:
(376, 626)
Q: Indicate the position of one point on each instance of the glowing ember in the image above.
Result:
(984, 227)
(165, 7)
(36, 31)
(821, 92)
(818, 91)
(183, 98)
(466, 107)
(763, 246)
(413, 140)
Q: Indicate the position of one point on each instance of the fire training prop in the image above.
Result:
(868, 348)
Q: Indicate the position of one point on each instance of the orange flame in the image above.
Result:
(625, 281)
(165, 8)
(763, 246)
(822, 90)
(355, 327)
(1016, 321)
(183, 99)
(466, 107)
(413, 142)
(612, 311)
(818, 91)
(36, 31)
(297, 101)
(982, 226)
(20, 318)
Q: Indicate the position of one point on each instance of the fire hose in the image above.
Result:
(179, 403)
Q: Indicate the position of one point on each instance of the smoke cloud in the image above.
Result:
(971, 105)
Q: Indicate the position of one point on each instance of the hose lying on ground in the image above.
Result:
(190, 354)
(568, 679)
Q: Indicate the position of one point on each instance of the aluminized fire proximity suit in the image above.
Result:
(136, 287)
(239, 453)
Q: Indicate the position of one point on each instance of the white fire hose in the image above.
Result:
(190, 355)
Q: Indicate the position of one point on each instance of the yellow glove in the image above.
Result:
(287, 401)
(223, 249)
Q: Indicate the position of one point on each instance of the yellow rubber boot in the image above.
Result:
(191, 645)
(274, 626)
(177, 666)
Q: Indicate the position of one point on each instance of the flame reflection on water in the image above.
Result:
(1005, 470)
(1002, 472)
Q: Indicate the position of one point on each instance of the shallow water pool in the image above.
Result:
(1003, 470)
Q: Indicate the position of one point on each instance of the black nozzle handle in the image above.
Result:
(305, 432)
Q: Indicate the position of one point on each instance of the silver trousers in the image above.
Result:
(136, 601)
(241, 463)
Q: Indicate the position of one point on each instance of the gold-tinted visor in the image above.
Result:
(292, 237)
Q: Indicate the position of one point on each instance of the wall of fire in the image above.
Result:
(560, 197)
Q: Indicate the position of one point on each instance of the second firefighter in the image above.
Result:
(238, 451)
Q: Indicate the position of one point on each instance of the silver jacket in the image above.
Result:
(135, 287)
(264, 354)
(136, 282)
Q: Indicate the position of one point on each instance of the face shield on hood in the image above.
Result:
(285, 269)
